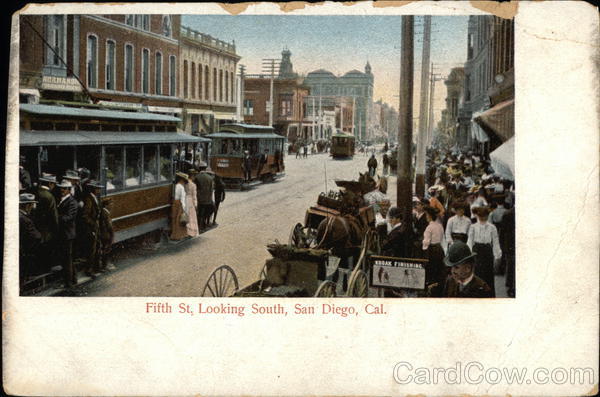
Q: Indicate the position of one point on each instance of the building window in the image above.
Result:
(110, 65)
(285, 105)
(220, 85)
(226, 86)
(200, 81)
(158, 78)
(56, 36)
(145, 71)
(470, 46)
(146, 22)
(193, 82)
(214, 84)
(207, 83)
(248, 107)
(166, 26)
(231, 86)
(92, 61)
(185, 79)
(172, 71)
(128, 67)
(130, 20)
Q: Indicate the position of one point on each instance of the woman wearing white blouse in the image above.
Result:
(178, 208)
(433, 238)
(483, 240)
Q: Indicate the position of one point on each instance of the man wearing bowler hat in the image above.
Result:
(462, 281)
(67, 214)
(45, 217)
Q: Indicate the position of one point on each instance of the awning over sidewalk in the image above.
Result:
(477, 132)
(503, 159)
(76, 138)
(500, 119)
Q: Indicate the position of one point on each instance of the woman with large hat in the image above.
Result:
(191, 204)
(483, 241)
(433, 238)
(179, 216)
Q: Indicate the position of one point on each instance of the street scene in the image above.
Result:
(187, 155)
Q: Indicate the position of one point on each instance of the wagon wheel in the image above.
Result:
(371, 242)
(358, 287)
(302, 237)
(222, 282)
(326, 290)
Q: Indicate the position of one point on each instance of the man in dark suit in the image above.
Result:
(419, 225)
(219, 195)
(67, 214)
(462, 281)
(29, 237)
(90, 217)
(398, 241)
(45, 217)
(247, 166)
(204, 193)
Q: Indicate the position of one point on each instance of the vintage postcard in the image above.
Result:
(376, 198)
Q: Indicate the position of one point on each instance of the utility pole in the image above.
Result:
(270, 64)
(405, 115)
(342, 101)
(241, 93)
(320, 114)
(423, 114)
(312, 135)
(354, 116)
(434, 78)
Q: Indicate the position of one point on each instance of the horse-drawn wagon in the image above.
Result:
(325, 257)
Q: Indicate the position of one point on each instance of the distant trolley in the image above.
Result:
(342, 145)
(133, 154)
(229, 145)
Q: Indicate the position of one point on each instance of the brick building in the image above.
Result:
(289, 113)
(124, 60)
(207, 73)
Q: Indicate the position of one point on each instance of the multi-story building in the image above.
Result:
(289, 96)
(488, 84)
(125, 60)
(454, 97)
(207, 74)
(354, 84)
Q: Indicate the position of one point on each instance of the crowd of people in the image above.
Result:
(466, 220)
(63, 226)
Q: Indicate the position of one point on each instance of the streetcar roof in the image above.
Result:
(73, 138)
(247, 126)
(261, 135)
(65, 111)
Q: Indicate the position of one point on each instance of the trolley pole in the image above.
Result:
(423, 113)
(404, 178)
(270, 64)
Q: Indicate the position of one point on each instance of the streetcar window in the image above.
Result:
(165, 163)
(114, 167)
(150, 164)
(132, 168)
(89, 157)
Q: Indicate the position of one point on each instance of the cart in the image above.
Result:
(297, 272)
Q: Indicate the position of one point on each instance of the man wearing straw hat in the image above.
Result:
(29, 237)
(67, 214)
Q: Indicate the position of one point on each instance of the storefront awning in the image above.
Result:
(503, 159)
(224, 116)
(499, 119)
(65, 111)
(75, 138)
(477, 132)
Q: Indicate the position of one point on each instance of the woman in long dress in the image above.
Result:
(483, 240)
(178, 231)
(433, 239)
(192, 204)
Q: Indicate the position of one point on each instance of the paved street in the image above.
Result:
(247, 220)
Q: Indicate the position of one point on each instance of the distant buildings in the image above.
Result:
(454, 98)
(355, 85)
(385, 121)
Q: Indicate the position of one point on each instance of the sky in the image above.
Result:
(340, 43)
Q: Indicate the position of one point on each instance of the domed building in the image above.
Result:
(355, 87)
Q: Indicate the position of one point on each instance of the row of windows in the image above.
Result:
(129, 68)
(197, 78)
(143, 22)
(132, 166)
